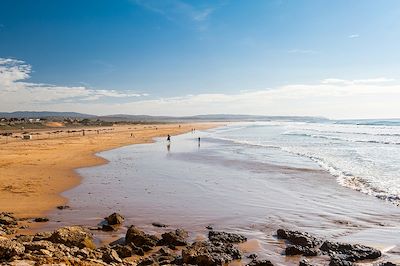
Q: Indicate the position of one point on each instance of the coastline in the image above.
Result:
(34, 173)
(156, 188)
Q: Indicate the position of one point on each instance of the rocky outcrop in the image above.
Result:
(207, 253)
(6, 218)
(73, 236)
(350, 252)
(9, 249)
(174, 238)
(298, 238)
(341, 254)
(300, 250)
(224, 237)
(140, 238)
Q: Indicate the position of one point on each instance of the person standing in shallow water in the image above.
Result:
(168, 138)
(198, 141)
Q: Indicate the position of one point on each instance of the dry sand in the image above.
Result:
(33, 173)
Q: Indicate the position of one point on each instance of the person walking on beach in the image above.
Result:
(199, 141)
(168, 138)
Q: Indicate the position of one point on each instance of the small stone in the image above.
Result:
(41, 219)
(115, 219)
(63, 207)
(158, 225)
(260, 263)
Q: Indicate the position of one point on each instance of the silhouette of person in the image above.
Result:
(168, 138)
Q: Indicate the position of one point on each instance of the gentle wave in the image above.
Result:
(344, 139)
(344, 178)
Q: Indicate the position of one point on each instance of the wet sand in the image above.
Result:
(33, 173)
(186, 186)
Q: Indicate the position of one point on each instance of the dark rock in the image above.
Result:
(252, 256)
(146, 248)
(9, 248)
(260, 263)
(42, 236)
(108, 228)
(115, 219)
(209, 227)
(136, 250)
(139, 238)
(123, 251)
(83, 252)
(63, 207)
(337, 261)
(147, 261)
(299, 250)
(224, 237)
(41, 220)
(6, 218)
(350, 252)
(298, 238)
(387, 263)
(205, 253)
(159, 225)
(73, 236)
(111, 256)
(174, 238)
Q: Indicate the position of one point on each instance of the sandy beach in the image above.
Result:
(34, 172)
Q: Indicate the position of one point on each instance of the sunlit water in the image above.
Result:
(251, 178)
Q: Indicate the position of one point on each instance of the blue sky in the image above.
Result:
(138, 56)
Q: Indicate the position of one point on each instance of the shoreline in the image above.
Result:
(34, 173)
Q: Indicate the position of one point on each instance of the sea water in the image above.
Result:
(362, 154)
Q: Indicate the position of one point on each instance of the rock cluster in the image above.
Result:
(341, 254)
(74, 245)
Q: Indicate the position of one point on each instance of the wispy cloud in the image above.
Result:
(179, 11)
(352, 36)
(302, 51)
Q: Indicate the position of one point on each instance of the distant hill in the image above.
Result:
(148, 118)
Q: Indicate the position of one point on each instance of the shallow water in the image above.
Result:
(250, 189)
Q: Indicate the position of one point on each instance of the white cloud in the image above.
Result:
(16, 91)
(348, 99)
(352, 36)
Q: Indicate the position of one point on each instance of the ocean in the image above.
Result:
(361, 154)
